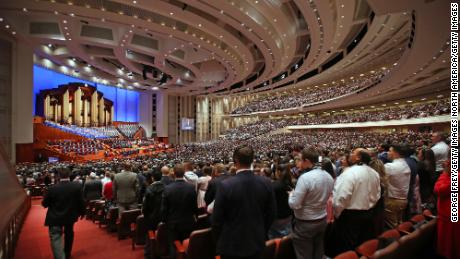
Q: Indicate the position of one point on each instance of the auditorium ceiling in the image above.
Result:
(231, 47)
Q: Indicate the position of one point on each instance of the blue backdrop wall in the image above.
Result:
(125, 101)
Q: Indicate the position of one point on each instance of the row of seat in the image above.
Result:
(408, 240)
(405, 241)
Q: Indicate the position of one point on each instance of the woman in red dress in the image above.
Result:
(448, 244)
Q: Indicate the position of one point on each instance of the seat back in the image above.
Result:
(201, 245)
(203, 222)
(405, 228)
(161, 244)
(347, 255)
(112, 217)
(269, 251)
(391, 234)
(96, 211)
(409, 245)
(389, 252)
(286, 249)
(417, 219)
(127, 217)
(140, 231)
(428, 214)
(368, 248)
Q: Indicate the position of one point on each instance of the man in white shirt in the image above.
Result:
(398, 174)
(440, 149)
(309, 200)
(190, 176)
(356, 192)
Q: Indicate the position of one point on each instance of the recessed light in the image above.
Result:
(24, 9)
(171, 13)
(65, 21)
(134, 2)
(7, 26)
(71, 14)
(199, 25)
(13, 32)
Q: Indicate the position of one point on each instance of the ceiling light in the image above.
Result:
(199, 25)
(7, 26)
(134, 2)
(103, 19)
(50, 45)
(155, 88)
(56, 12)
(65, 28)
(13, 32)
(171, 13)
(72, 14)
(24, 9)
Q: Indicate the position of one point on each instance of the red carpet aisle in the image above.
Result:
(90, 240)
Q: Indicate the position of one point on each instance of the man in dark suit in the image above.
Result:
(218, 176)
(179, 208)
(244, 209)
(92, 190)
(65, 203)
(165, 178)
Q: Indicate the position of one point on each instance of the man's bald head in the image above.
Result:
(165, 170)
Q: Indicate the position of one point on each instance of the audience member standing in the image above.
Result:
(190, 176)
(166, 178)
(426, 168)
(399, 174)
(125, 189)
(355, 194)
(106, 178)
(203, 182)
(107, 189)
(92, 190)
(281, 186)
(219, 174)
(448, 237)
(179, 208)
(309, 201)
(65, 204)
(440, 149)
(151, 207)
(244, 209)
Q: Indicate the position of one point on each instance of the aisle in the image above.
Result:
(90, 240)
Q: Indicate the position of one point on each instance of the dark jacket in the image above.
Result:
(426, 175)
(65, 204)
(151, 207)
(244, 209)
(92, 190)
(166, 180)
(281, 195)
(210, 194)
(179, 205)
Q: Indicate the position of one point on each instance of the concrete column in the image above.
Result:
(65, 106)
(22, 95)
(145, 112)
(162, 119)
